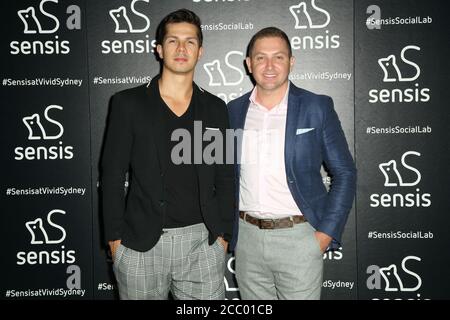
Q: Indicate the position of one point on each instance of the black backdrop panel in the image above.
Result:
(46, 194)
(402, 150)
(120, 56)
(62, 61)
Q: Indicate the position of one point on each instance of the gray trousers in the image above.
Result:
(278, 263)
(182, 262)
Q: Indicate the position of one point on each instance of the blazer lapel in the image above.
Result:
(243, 112)
(158, 125)
(199, 108)
(292, 118)
(239, 125)
(200, 117)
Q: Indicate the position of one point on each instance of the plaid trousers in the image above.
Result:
(182, 262)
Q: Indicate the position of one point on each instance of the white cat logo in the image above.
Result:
(35, 129)
(390, 68)
(122, 21)
(393, 280)
(217, 76)
(391, 174)
(300, 12)
(31, 22)
(41, 237)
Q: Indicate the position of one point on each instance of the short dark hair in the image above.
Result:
(181, 15)
(268, 33)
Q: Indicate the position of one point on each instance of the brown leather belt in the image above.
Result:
(287, 222)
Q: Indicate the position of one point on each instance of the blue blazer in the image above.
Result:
(314, 137)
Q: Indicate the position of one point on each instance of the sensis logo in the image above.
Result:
(45, 128)
(393, 173)
(333, 254)
(396, 71)
(393, 279)
(41, 21)
(48, 233)
(309, 16)
(226, 72)
(130, 20)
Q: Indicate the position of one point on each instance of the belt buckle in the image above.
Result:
(270, 223)
(284, 223)
(291, 222)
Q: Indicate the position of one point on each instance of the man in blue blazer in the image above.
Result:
(286, 219)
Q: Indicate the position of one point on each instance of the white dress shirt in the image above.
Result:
(263, 190)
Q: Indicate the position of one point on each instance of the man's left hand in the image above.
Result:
(323, 239)
(224, 243)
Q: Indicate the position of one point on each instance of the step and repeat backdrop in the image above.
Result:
(384, 63)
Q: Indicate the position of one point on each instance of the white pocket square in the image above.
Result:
(303, 130)
(209, 128)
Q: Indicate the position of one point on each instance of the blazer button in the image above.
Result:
(161, 203)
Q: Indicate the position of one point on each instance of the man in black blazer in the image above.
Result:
(171, 231)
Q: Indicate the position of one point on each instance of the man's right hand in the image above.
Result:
(113, 245)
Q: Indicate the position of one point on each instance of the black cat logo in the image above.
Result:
(39, 234)
(31, 22)
(301, 11)
(217, 76)
(393, 177)
(123, 22)
(393, 280)
(391, 70)
(35, 128)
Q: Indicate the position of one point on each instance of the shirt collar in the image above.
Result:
(282, 105)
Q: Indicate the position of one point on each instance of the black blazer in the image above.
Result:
(135, 142)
